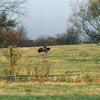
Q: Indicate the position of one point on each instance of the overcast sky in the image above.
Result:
(47, 17)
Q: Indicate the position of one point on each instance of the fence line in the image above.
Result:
(20, 76)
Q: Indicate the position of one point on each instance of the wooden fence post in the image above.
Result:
(47, 78)
(15, 79)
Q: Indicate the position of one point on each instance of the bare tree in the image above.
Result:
(22, 37)
(70, 37)
(10, 12)
(41, 40)
(85, 17)
(13, 8)
(60, 38)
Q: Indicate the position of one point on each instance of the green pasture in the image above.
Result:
(83, 58)
(49, 91)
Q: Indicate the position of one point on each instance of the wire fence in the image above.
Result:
(19, 77)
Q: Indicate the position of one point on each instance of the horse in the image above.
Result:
(40, 50)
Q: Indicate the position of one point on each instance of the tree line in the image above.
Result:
(83, 25)
(70, 37)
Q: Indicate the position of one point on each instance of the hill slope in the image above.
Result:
(81, 58)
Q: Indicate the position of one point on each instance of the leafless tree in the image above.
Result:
(10, 11)
(85, 17)
(70, 37)
(41, 40)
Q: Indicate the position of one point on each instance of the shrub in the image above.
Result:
(13, 55)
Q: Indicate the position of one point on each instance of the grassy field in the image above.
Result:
(49, 91)
(83, 58)
(77, 58)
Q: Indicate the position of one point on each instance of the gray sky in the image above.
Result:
(47, 17)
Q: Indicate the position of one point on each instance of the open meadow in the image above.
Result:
(49, 91)
(84, 59)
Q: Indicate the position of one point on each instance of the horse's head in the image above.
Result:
(40, 50)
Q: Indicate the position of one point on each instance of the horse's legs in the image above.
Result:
(45, 52)
(41, 53)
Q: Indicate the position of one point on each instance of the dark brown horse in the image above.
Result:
(40, 50)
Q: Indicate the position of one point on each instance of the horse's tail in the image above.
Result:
(48, 48)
